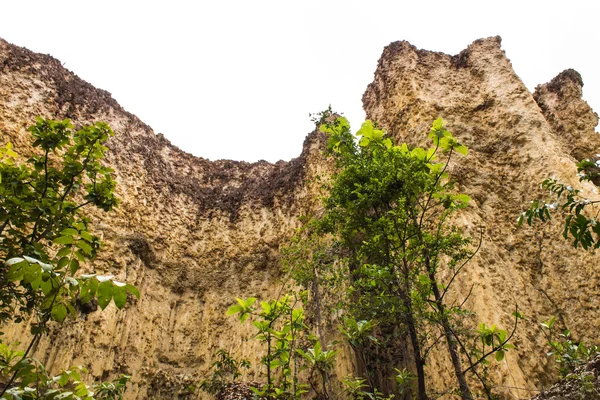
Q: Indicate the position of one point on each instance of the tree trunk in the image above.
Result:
(452, 347)
(410, 322)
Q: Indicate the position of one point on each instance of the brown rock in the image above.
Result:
(194, 234)
(514, 145)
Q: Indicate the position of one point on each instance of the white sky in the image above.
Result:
(237, 79)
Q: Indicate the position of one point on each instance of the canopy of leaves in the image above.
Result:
(45, 241)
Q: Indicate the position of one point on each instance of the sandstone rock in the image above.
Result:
(191, 234)
(513, 146)
(194, 234)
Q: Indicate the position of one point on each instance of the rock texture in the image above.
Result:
(189, 233)
(516, 139)
(193, 234)
(583, 384)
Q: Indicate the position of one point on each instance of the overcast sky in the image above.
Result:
(237, 79)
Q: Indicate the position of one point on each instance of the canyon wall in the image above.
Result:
(194, 234)
(191, 234)
(516, 140)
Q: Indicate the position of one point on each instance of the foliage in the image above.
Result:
(494, 338)
(45, 243)
(45, 237)
(35, 382)
(113, 390)
(226, 369)
(280, 327)
(357, 333)
(567, 352)
(579, 225)
(388, 208)
(320, 362)
(405, 380)
(357, 389)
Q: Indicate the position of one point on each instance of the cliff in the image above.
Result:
(516, 139)
(194, 234)
(189, 233)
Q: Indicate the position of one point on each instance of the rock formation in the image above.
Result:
(515, 142)
(194, 234)
(189, 233)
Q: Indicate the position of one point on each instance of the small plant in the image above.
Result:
(568, 353)
(113, 390)
(357, 389)
(35, 383)
(226, 369)
(405, 380)
(320, 362)
(280, 325)
(494, 338)
(578, 225)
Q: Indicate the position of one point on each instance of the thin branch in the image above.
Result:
(462, 346)
(437, 179)
(464, 263)
(435, 342)
(499, 346)
(43, 196)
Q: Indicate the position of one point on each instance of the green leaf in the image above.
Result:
(65, 251)
(419, 153)
(366, 129)
(462, 198)
(63, 379)
(88, 290)
(79, 255)
(234, 309)
(16, 272)
(133, 290)
(244, 316)
(459, 148)
(87, 236)
(104, 293)
(438, 124)
(62, 262)
(119, 296)
(499, 355)
(74, 266)
(69, 232)
(85, 246)
(35, 284)
(59, 312)
(63, 240)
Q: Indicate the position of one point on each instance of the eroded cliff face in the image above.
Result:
(516, 139)
(194, 234)
(189, 233)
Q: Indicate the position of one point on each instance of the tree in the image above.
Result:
(45, 243)
(579, 224)
(389, 209)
